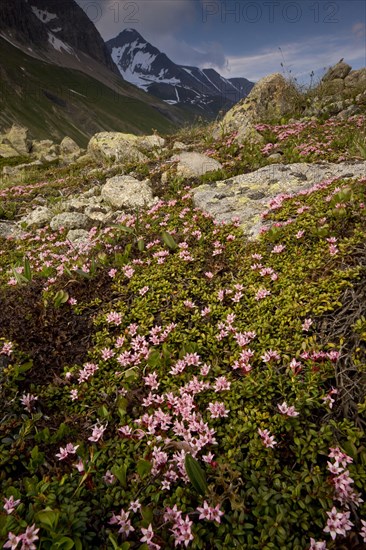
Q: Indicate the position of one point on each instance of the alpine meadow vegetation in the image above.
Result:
(169, 383)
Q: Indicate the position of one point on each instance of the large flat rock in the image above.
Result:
(247, 196)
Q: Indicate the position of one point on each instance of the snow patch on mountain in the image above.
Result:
(59, 45)
(43, 15)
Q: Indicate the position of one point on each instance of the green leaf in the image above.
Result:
(122, 405)
(196, 475)
(121, 474)
(27, 270)
(143, 467)
(48, 517)
(60, 298)
(125, 229)
(141, 245)
(64, 543)
(154, 358)
(103, 412)
(169, 241)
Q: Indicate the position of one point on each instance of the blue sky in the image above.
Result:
(243, 37)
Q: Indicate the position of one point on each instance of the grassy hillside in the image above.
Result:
(174, 385)
(53, 102)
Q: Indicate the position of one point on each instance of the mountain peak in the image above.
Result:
(201, 90)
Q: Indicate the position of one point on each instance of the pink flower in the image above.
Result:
(148, 534)
(107, 353)
(217, 409)
(268, 440)
(12, 541)
(363, 530)
(10, 504)
(278, 249)
(114, 318)
(262, 293)
(74, 395)
(28, 400)
(128, 271)
(338, 523)
(7, 348)
(321, 545)
(270, 355)
(98, 431)
(109, 478)
(285, 409)
(135, 506)
(306, 324)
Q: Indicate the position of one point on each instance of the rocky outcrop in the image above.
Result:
(339, 71)
(247, 196)
(195, 164)
(272, 96)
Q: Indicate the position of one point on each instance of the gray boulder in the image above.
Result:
(39, 217)
(115, 146)
(195, 164)
(70, 220)
(248, 195)
(127, 192)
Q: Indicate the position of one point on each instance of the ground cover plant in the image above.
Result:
(169, 384)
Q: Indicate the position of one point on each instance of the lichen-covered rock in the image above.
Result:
(70, 220)
(17, 136)
(39, 217)
(115, 146)
(195, 164)
(127, 192)
(8, 230)
(98, 213)
(41, 148)
(247, 196)
(356, 78)
(78, 236)
(150, 142)
(7, 151)
(272, 96)
(69, 148)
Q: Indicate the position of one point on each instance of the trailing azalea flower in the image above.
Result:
(97, 434)
(267, 438)
(286, 410)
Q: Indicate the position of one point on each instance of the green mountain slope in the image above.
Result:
(53, 101)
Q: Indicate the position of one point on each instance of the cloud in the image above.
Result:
(150, 17)
(298, 58)
(359, 30)
(206, 54)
